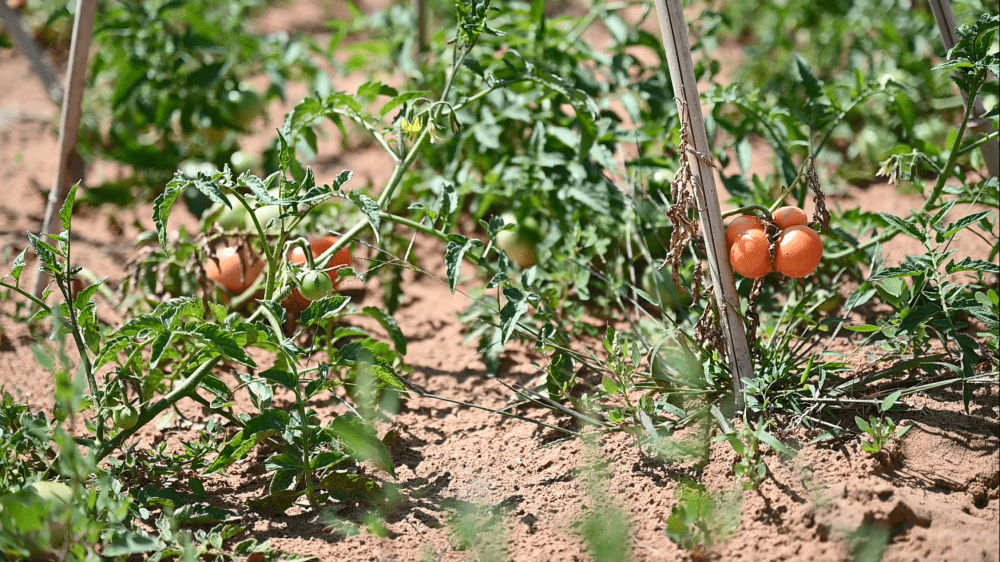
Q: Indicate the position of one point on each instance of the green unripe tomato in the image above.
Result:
(267, 213)
(243, 161)
(315, 285)
(247, 105)
(519, 244)
(125, 417)
(235, 217)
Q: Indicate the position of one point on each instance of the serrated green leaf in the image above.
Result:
(124, 543)
(965, 222)
(324, 309)
(914, 317)
(362, 442)
(974, 264)
(903, 270)
(453, 255)
(165, 203)
(47, 254)
(224, 343)
(449, 199)
(368, 207)
(516, 306)
(342, 179)
(172, 311)
(257, 428)
(808, 79)
(904, 226)
(211, 189)
(159, 347)
(66, 212)
(281, 377)
(400, 100)
(18, 266)
(390, 325)
(216, 386)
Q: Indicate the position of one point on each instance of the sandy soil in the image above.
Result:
(936, 499)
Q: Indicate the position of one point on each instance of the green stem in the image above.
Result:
(744, 210)
(954, 152)
(35, 300)
(401, 167)
(943, 176)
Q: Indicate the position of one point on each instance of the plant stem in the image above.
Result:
(954, 152)
(744, 210)
(943, 176)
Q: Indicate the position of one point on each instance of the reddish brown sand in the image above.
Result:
(936, 498)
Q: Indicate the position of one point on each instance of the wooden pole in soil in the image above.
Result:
(69, 127)
(43, 68)
(946, 22)
(678, 49)
(421, 8)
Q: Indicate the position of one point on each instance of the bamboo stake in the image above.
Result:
(421, 8)
(83, 30)
(43, 68)
(946, 22)
(678, 49)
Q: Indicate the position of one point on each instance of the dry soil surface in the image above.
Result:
(936, 499)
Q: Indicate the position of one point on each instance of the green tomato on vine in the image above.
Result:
(315, 285)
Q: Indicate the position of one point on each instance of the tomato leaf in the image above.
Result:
(973, 264)
(903, 226)
(516, 306)
(124, 543)
(324, 309)
(66, 212)
(454, 252)
(808, 79)
(346, 486)
(224, 343)
(282, 377)
(18, 266)
(400, 100)
(369, 207)
(258, 427)
(165, 203)
(46, 254)
(362, 443)
(390, 325)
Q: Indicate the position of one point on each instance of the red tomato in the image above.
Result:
(235, 271)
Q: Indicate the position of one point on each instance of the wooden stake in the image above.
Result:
(421, 7)
(678, 48)
(946, 22)
(43, 68)
(83, 30)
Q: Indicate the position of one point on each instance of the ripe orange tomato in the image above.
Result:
(790, 216)
(296, 302)
(235, 271)
(800, 250)
(741, 225)
(750, 254)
